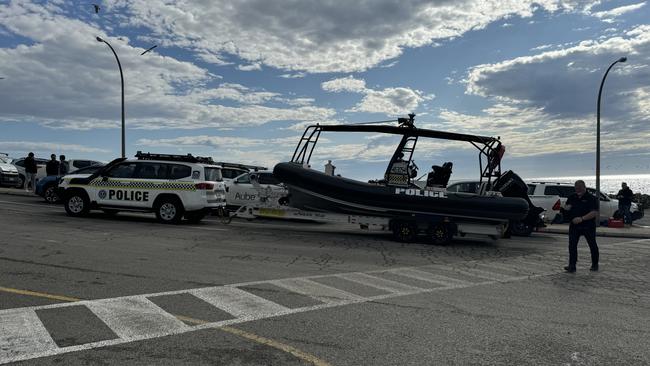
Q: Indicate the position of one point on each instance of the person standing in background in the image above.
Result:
(52, 166)
(582, 209)
(63, 166)
(30, 172)
(624, 197)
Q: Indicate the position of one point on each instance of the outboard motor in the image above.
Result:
(511, 185)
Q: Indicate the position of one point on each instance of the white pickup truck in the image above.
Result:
(550, 203)
(608, 206)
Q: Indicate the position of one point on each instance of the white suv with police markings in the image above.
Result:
(172, 186)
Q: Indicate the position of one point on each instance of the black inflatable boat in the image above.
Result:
(316, 191)
(397, 195)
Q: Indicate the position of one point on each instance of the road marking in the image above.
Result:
(22, 333)
(473, 272)
(37, 294)
(281, 346)
(135, 317)
(142, 323)
(263, 340)
(380, 283)
(238, 302)
(26, 339)
(315, 290)
(430, 277)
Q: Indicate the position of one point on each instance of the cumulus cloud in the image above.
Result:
(391, 101)
(63, 78)
(617, 12)
(321, 36)
(566, 81)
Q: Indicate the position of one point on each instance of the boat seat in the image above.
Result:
(440, 175)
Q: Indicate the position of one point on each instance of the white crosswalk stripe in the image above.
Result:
(238, 302)
(430, 277)
(318, 291)
(493, 276)
(135, 317)
(21, 332)
(380, 283)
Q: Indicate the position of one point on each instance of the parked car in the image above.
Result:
(20, 166)
(608, 206)
(250, 188)
(231, 171)
(73, 165)
(550, 203)
(8, 172)
(47, 187)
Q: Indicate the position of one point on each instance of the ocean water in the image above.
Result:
(638, 183)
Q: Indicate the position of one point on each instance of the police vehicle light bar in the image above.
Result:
(189, 158)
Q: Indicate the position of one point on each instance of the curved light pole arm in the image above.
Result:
(122, 79)
(600, 93)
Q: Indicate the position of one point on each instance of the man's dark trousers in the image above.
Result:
(574, 235)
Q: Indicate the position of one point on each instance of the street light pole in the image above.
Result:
(122, 78)
(600, 92)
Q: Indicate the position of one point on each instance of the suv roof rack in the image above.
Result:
(189, 158)
(241, 166)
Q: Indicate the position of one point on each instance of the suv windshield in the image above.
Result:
(4, 160)
(213, 174)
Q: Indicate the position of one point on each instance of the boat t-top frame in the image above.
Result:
(490, 149)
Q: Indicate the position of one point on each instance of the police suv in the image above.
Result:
(172, 186)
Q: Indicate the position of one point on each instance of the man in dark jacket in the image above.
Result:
(624, 197)
(582, 209)
(30, 171)
(52, 166)
(63, 166)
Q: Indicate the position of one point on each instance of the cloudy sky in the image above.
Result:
(239, 80)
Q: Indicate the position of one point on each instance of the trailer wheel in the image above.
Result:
(404, 231)
(440, 234)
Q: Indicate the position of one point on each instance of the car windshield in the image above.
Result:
(213, 174)
(4, 160)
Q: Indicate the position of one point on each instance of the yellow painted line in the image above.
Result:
(262, 340)
(238, 332)
(38, 294)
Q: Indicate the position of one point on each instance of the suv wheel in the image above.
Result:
(50, 194)
(77, 204)
(169, 211)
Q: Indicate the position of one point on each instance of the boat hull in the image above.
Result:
(313, 190)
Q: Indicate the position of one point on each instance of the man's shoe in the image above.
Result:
(594, 268)
(569, 269)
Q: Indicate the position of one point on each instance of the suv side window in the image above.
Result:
(150, 170)
(562, 191)
(268, 178)
(124, 170)
(531, 189)
(20, 163)
(231, 173)
(178, 171)
(244, 179)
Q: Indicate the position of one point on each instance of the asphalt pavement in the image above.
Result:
(127, 290)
